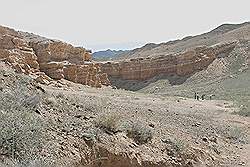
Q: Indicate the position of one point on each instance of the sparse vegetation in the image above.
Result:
(109, 123)
(139, 132)
(66, 123)
(21, 129)
(236, 134)
(178, 145)
(175, 146)
(21, 135)
(51, 101)
(33, 163)
(244, 111)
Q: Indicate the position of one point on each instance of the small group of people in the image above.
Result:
(202, 97)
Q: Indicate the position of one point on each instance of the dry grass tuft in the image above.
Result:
(139, 133)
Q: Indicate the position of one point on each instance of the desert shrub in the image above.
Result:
(244, 111)
(50, 101)
(175, 146)
(23, 132)
(108, 122)
(20, 135)
(31, 102)
(21, 128)
(112, 123)
(235, 134)
(20, 97)
(139, 132)
(178, 145)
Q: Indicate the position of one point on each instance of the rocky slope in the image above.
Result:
(77, 125)
(44, 59)
(181, 58)
(183, 64)
(80, 126)
(222, 34)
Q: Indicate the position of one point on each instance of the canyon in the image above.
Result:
(177, 61)
(49, 60)
(50, 104)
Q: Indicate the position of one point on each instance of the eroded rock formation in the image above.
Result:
(182, 64)
(45, 58)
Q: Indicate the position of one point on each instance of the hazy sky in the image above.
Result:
(120, 24)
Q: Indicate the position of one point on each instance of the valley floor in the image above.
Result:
(119, 128)
(209, 126)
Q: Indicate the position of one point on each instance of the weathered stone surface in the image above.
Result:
(87, 56)
(29, 54)
(61, 60)
(104, 79)
(181, 64)
(49, 50)
(43, 78)
(88, 74)
(16, 52)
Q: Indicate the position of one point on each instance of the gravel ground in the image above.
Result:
(109, 127)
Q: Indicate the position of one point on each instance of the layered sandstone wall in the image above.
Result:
(29, 53)
(62, 60)
(16, 52)
(32, 54)
(180, 64)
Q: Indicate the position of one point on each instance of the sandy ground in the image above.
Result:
(187, 120)
(205, 131)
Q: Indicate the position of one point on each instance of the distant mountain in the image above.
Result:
(108, 54)
(221, 34)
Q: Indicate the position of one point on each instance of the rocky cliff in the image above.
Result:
(45, 58)
(182, 64)
(180, 59)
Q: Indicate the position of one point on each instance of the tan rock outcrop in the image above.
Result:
(60, 60)
(16, 52)
(182, 64)
(87, 56)
(29, 54)
(88, 74)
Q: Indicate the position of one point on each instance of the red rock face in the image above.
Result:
(30, 54)
(181, 64)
